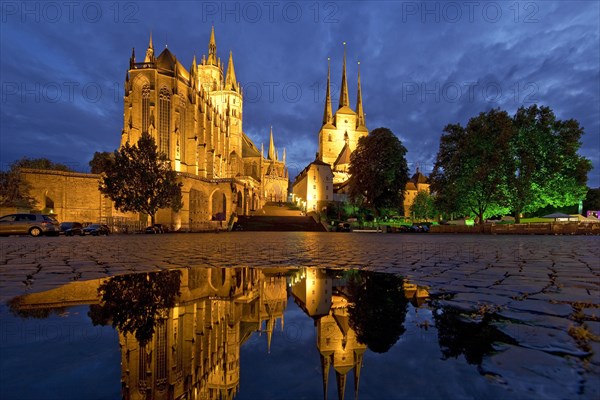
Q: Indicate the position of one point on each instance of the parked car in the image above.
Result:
(156, 228)
(32, 224)
(71, 228)
(96, 230)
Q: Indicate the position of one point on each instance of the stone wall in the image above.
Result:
(540, 228)
(70, 196)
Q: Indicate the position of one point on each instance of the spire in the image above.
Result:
(149, 51)
(270, 326)
(230, 81)
(262, 150)
(341, 384)
(132, 58)
(325, 366)
(271, 147)
(358, 358)
(360, 121)
(284, 155)
(212, 48)
(344, 99)
(327, 114)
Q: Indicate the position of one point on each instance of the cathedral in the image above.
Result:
(195, 117)
(324, 179)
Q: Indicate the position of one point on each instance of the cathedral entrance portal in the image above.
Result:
(219, 206)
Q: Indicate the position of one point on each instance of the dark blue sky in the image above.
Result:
(423, 65)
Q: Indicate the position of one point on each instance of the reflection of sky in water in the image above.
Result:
(60, 357)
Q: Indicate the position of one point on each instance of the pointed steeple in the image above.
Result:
(271, 147)
(212, 48)
(325, 367)
(341, 384)
(327, 114)
(358, 358)
(344, 99)
(230, 81)
(284, 155)
(149, 51)
(360, 121)
(132, 58)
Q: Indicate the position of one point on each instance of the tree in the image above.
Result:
(378, 171)
(141, 180)
(423, 207)
(546, 169)
(472, 166)
(101, 162)
(39, 163)
(137, 303)
(14, 191)
(592, 200)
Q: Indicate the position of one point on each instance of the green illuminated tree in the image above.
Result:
(423, 207)
(378, 171)
(471, 170)
(141, 180)
(546, 169)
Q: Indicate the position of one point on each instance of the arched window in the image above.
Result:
(145, 108)
(164, 125)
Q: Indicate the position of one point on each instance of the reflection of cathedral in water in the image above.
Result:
(196, 353)
(194, 350)
(323, 295)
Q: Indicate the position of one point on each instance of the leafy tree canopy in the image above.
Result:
(39, 163)
(545, 166)
(471, 170)
(498, 164)
(141, 180)
(101, 162)
(378, 171)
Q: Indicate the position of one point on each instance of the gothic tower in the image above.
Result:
(340, 132)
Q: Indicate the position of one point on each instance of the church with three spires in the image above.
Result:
(325, 179)
(195, 117)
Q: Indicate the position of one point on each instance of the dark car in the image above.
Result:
(32, 224)
(156, 228)
(96, 230)
(71, 228)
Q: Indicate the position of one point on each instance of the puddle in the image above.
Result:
(249, 333)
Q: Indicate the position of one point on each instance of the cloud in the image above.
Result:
(423, 65)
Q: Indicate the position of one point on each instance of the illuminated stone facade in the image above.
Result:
(313, 187)
(195, 116)
(417, 183)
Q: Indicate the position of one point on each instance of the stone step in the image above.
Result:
(278, 223)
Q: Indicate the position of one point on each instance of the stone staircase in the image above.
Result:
(278, 223)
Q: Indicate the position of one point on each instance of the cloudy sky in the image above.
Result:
(423, 65)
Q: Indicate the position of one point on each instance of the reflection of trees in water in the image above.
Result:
(136, 303)
(377, 308)
(458, 334)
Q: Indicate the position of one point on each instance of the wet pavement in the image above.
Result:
(525, 310)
